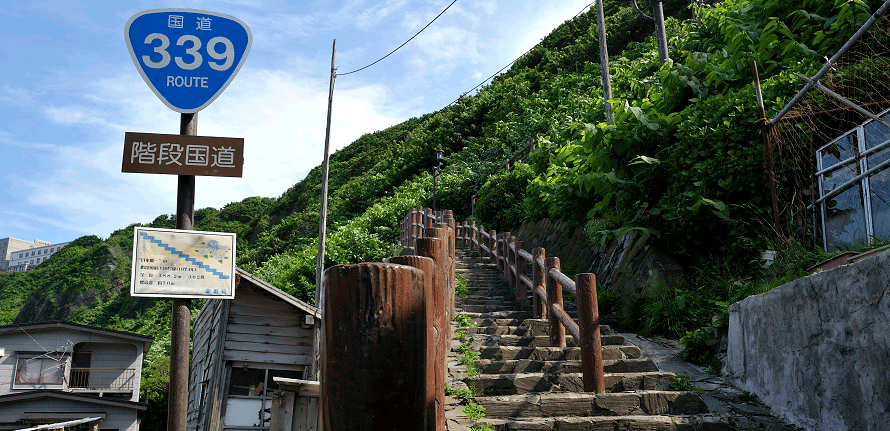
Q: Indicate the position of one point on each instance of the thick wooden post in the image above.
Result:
(434, 350)
(589, 327)
(374, 314)
(428, 219)
(442, 268)
(554, 297)
(538, 275)
(519, 263)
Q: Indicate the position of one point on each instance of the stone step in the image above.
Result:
(488, 366)
(522, 329)
(469, 308)
(522, 315)
(490, 294)
(555, 404)
(492, 322)
(523, 383)
(492, 300)
(702, 422)
(504, 353)
(535, 341)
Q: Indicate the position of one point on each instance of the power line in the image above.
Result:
(400, 46)
(514, 61)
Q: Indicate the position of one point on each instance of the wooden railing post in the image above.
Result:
(448, 218)
(428, 249)
(492, 247)
(418, 225)
(427, 218)
(538, 274)
(503, 252)
(473, 248)
(496, 251)
(521, 292)
(508, 259)
(374, 312)
(589, 327)
(554, 297)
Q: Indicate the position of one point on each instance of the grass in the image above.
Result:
(461, 286)
(681, 383)
(464, 321)
(473, 410)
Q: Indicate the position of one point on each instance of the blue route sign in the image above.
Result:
(186, 56)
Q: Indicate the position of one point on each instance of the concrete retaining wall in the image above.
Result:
(817, 350)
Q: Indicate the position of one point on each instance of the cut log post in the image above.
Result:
(554, 297)
(374, 365)
(538, 274)
(429, 249)
(589, 327)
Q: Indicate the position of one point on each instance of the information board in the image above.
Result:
(171, 263)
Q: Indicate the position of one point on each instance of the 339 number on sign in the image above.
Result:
(187, 57)
(196, 58)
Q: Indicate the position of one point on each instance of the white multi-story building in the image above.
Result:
(20, 255)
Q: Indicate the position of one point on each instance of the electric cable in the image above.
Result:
(406, 42)
(514, 61)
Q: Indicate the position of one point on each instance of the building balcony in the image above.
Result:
(102, 380)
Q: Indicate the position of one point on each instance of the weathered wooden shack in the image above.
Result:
(239, 347)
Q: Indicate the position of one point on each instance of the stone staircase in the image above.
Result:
(525, 385)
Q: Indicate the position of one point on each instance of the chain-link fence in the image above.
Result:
(832, 149)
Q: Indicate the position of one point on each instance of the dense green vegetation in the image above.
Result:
(681, 164)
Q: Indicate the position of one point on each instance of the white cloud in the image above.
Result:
(16, 96)
(450, 44)
(375, 15)
(281, 117)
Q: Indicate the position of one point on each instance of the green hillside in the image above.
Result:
(682, 164)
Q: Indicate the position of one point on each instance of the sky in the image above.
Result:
(69, 91)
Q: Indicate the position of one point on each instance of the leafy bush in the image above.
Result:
(500, 204)
(698, 345)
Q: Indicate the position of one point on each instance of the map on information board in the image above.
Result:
(173, 263)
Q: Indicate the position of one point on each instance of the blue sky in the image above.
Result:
(69, 91)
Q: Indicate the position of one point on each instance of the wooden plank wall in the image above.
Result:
(263, 329)
(205, 381)
(291, 412)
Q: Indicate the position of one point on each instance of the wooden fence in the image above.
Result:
(387, 325)
(546, 285)
(387, 333)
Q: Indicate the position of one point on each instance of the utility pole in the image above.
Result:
(660, 32)
(604, 62)
(322, 230)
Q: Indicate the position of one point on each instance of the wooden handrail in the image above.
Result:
(546, 287)
(564, 280)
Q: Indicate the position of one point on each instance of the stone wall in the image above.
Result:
(628, 265)
(817, 350)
